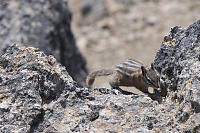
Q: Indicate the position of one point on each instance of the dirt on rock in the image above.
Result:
(110, 31)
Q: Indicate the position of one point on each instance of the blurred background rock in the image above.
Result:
(110, 31)
(44, 24)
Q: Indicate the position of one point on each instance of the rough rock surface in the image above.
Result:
(45, 25)
(38, 95)
(178, 60)
(35, 90)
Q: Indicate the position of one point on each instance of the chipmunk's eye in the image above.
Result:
(150, 81)
(148, 78)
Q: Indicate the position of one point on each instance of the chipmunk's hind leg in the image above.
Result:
(113, 81)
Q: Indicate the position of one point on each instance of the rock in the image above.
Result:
(178, 61)
(36, 91)
(38, 95)
(45, 25)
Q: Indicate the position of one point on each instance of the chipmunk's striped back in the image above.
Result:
(129, 67)
(129, 73)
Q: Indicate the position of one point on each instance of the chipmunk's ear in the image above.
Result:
(152, 66)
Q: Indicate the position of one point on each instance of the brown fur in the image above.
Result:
(128, 73)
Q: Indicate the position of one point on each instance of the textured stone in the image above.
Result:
(38, 95)
(178, 61)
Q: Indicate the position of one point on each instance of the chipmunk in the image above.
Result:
(129, 73)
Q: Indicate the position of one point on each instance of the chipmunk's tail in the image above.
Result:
(91, 77)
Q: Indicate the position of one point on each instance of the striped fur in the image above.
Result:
(128, 68)
(128, 73)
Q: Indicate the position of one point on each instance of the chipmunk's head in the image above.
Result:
(151, 76)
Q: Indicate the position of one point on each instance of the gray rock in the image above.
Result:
(35, 90)
(178, 61)
(38, 95)
(44, 24)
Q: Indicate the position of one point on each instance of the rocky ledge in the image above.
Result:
(38, 95)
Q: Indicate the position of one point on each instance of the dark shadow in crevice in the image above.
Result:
(35, 122)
